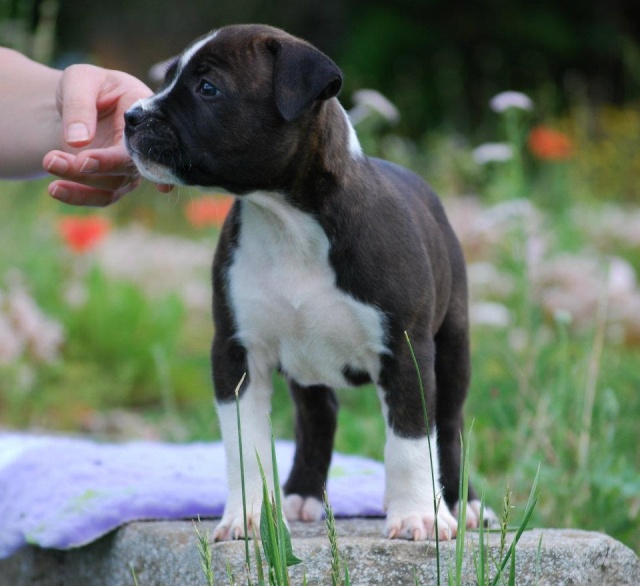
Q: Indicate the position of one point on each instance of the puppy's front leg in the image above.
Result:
(412, 470)
(255, 404)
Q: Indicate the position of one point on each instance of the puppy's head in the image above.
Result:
(234, 110)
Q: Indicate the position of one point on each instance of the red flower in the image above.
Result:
(208, 210)
(550, 144)
(82, 233)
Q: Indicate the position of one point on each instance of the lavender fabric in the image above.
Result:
(62, 492)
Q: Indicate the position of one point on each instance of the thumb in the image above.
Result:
(78, 92)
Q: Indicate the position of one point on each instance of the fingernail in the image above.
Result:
(90, 166)
(77, 132)
(57, 166)
(59, 193)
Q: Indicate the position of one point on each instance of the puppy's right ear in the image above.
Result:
(302, 75)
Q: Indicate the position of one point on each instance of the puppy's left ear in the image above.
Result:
(302, 75)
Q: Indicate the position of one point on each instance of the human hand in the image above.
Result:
(92, 102)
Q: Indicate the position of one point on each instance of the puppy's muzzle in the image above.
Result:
(138, 119)
(152, 144)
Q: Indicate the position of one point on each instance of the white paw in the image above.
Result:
(298, 508)
(420, 525)
(473, 515)
(231, 526)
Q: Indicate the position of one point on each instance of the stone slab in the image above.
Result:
(164, 553)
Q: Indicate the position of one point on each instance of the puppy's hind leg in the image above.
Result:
(453, 373)
(316, 420)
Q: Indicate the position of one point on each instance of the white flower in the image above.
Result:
(622, 277)
(562, 316)
(489, 314)
(492, 152)
(485, 280)
(505, 100)
(45, 347)
(11, 342)
(367, 101)
(25, 328)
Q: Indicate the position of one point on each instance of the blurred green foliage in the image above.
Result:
(439, 61)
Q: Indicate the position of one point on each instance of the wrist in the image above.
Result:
(30, 124)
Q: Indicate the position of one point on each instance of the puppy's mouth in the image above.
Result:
(152, 147)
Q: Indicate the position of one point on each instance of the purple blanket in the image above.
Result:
(63, 493)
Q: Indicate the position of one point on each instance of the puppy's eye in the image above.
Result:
(207, 89)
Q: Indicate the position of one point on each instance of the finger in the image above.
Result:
(114, 160)
(69, 168)
(84, 195)
(78, 93)
(105, 161)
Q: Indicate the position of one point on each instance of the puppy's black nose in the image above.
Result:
(136, 116)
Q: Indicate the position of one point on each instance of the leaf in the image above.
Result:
(291, 559)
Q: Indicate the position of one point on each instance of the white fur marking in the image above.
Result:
(288, 309)
(255, 405)
(148, 103)
(409, 497)
(298, 508)
(355, 148)
(154, 171)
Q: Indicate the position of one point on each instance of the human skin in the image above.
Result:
(68, 123)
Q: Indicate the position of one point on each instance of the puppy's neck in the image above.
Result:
(330, 156)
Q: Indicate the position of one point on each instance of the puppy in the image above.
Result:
(326, 259)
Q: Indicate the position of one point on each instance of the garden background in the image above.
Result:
(105, 314)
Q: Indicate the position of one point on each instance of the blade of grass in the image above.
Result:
(256, 551)
(336, 564)
(531, 504)
(463, 491)
(206, 555)
(433, 480)
(592, 380)
(242, 482)
(284, 536)
(280, 528)
(539, 560)
(450, 574)
(512, 569)
(133, 573)
(482, 569)
(268, 531)
(504, 525)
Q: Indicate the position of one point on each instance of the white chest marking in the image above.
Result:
(287, 307)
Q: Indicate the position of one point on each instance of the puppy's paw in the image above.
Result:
(490, 519)
(421, 525)
(473, 515)
(231, 526)
(299, 508)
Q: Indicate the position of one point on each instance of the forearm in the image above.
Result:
(30, 124)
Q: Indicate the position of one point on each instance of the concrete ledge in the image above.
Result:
(164, 553)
